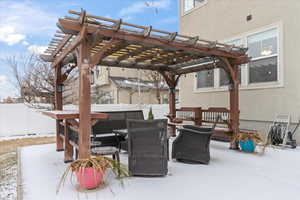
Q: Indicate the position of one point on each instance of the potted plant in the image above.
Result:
(90, 172)
(247, 141)
(150, 114)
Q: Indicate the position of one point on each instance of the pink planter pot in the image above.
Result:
(88, 178)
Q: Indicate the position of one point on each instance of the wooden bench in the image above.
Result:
(207, 117)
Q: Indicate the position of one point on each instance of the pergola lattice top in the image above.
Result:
(119, 44)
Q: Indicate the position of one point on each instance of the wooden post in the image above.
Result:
(172, 97)
(198, 116)
(172, 81)
(68, 147)
(58, 105)
(234, 105)
(84, 100)
(172, 109)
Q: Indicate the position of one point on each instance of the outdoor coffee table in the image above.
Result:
(103, 151)
(109, 150)
(123, 133)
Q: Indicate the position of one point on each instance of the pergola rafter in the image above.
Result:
(90, 40)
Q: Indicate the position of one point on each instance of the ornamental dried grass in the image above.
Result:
(98, 163)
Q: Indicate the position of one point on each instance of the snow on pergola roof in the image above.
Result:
(120, 44)
(134, 83)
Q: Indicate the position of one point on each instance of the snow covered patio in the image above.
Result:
(230, 175)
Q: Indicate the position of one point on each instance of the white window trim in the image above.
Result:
(245, 85)
(191, 10)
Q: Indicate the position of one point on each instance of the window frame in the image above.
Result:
(261, 84)
(245, 73)
(192, 9)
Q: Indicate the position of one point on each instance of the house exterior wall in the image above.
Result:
(120, 95)
(224, 20)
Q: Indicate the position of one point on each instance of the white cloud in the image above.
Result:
(9, 35)
(25, 18)
(36, 49)
(25, 43)
(141, 6)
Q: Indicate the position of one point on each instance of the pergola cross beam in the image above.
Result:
(71, 47)
(150, 40)
(95, 59)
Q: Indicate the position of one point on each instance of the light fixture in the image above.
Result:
(60, 88)
(92, 77)
(249, 17)
(266, 52)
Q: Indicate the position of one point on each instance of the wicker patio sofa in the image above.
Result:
(147, 147)
(192, 145)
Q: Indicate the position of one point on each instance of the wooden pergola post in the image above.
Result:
(84, 100)
(58, 105)
(230, 66)
(172, 81)
(172, 96)
(68, 147)
(234, 104)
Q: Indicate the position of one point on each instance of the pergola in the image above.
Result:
(88, 40)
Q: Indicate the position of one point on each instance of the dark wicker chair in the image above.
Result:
(147, 147)
(192, 145)
(103, 129)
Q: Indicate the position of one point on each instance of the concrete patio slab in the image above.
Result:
(230, 175)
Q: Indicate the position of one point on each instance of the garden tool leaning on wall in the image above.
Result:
(279, 133)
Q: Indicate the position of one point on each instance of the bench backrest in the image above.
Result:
(211, 115)
(198, 115)
(116, 120)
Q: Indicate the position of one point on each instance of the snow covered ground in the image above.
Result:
(8, 176)
(230, 175)
(18, 119)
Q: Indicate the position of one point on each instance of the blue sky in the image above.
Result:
(26, 26)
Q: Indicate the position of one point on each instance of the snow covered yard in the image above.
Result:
(230, 175)
(8, 162)
(8, 176)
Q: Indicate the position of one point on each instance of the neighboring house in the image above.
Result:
(270, 82)
(126, 86)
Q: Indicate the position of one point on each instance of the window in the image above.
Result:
(190, 4)
(264, 69)
(205, 79)
(263, 50)
(224, 79)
